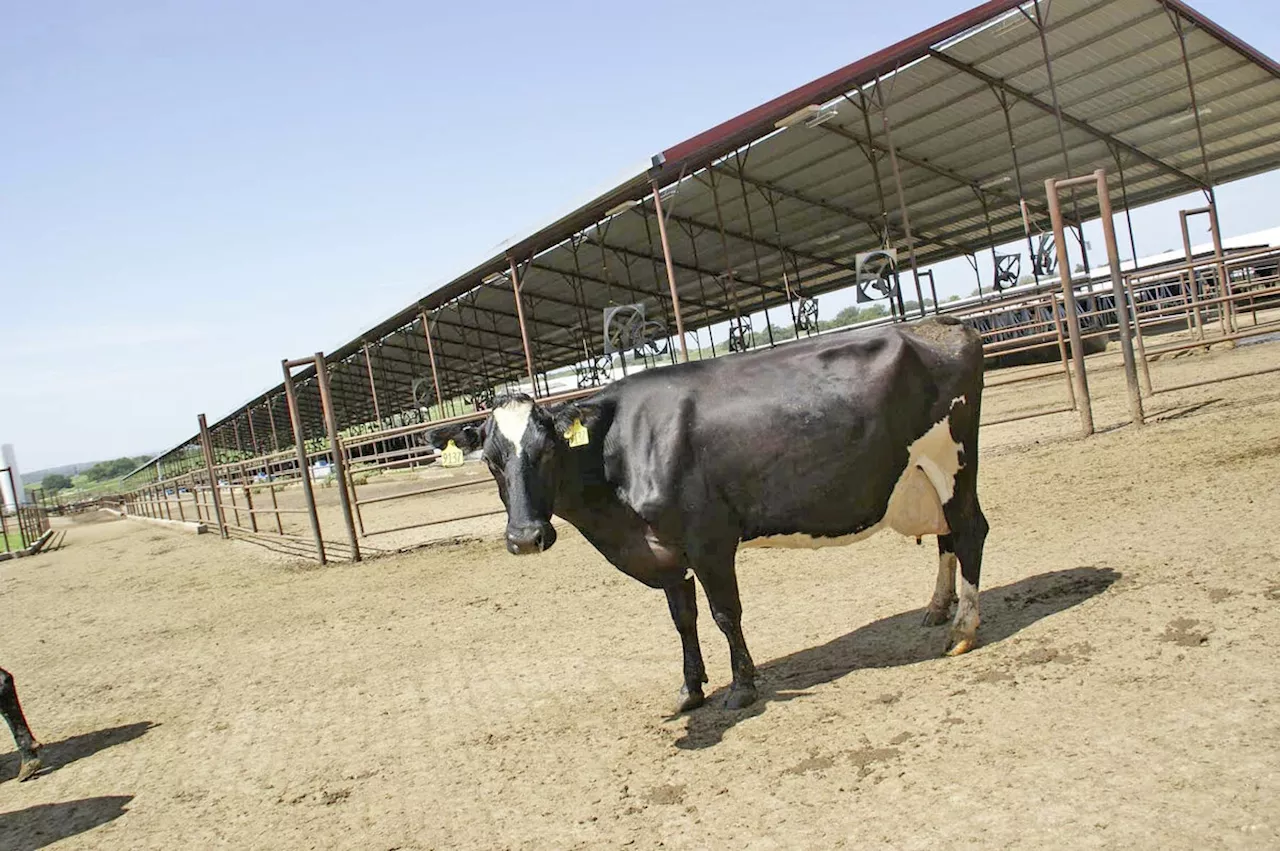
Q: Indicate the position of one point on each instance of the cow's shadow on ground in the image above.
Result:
(55, 755)
(895, 641)
(44, 824)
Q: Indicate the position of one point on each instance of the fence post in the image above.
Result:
(207, 448)
(1118, 298)
(1069, 305)
(300, 444)
(335, 450)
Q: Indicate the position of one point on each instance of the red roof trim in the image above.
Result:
(761, 119)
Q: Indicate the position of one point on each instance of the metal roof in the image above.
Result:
(785, 195)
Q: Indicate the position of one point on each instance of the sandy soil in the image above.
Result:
(198, 693)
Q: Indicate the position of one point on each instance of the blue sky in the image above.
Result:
(177, 175)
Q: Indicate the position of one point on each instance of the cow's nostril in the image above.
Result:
(538, 539)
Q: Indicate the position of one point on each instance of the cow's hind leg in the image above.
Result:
(715, 570)
(682, 599)
(944, 592)
(968, 534)
(11, 709)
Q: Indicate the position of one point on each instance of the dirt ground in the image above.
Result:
(198, 693)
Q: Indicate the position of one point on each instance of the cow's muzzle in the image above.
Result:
(530, 538)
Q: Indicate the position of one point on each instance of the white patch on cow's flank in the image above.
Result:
(512, 419)
(915, 506)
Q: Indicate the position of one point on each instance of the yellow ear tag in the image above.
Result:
(451, 455)
(577, 434)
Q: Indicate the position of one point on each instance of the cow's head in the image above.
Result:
(524, 444)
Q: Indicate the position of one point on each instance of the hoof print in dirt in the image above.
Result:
(1185, 632)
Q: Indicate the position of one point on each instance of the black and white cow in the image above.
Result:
(11, 709)
(816, 443)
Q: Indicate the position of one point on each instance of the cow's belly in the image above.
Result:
(915, 504)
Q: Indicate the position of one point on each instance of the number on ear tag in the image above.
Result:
(577, 434)
(451, 455)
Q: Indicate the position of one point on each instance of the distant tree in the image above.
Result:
(954, 298)
(104, 470)
(55, 482)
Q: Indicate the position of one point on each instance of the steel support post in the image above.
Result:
(1083, 402)
(741, 163)
(1003, 99)
(271, 418)
(1193, 284)
(1224, 279)
(373, 387)
(933, 289)
(248, 497)
(524, 331)
(902, 198)
(235, 508)
(1145, 372)
(431, 359)
(335, 450)
(1118, 295)
(271, 489)
(300, 444)
(671, 270)
(253, 435)
(206, 447)
(1041, 24)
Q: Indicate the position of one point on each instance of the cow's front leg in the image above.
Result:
(11, 709)
(682, 599)
(968, 532)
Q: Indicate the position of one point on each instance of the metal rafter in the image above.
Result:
(870, 221)
(679, 264)
(1077, 123)
(960, 179)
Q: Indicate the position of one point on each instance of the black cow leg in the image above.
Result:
(11, 709)
(721, 584)
(968, 533)
(682, 599)
(944, 592)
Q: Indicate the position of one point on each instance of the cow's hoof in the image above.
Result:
(963, 645)
(936, 617)
(29, 769)
(689, 700)
(740, 697)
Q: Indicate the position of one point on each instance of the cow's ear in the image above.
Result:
(466, 436)
(584, 413)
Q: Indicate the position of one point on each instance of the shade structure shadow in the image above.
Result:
(55, 755)
(895, 641)
(44, 824)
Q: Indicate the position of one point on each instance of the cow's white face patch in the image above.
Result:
(915, 507)
(512, 419)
